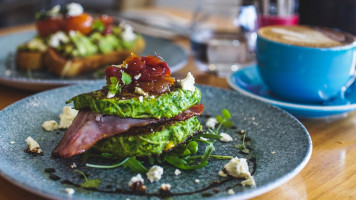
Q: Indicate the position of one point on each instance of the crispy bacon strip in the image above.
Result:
(88, 128)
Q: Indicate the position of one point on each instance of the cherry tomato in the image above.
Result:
(82, 23)
(107, 20)
(48, 26)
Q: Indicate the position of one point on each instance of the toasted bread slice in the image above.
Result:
(63, 67)
(32, 60)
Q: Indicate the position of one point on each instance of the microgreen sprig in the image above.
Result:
(92, 183)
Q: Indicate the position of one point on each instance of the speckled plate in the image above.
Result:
(280, 147)
(174, 55)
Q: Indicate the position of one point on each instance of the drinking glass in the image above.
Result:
(223, 36)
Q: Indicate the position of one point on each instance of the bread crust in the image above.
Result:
(29, 60)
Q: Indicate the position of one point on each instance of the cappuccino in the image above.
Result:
(306, 36)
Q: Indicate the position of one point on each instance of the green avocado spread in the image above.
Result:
(166, 105)
(148, 144)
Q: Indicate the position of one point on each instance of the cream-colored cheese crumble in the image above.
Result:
(188, 82)
(67, 116)
(155, 173)
(50, 125)
(33, 146)
(238, 168)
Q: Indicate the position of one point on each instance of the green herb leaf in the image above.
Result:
(92, 183)
(210, 136)
(226, 114)
(126, 78)
(98, 25)
(219, 118)
(228, 124)
(114, 87)
(135, 165)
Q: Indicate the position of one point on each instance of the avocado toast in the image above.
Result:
(141, 111)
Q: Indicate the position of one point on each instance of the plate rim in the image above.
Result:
(243, 195)
(347, 107)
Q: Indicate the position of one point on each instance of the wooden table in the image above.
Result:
(330, 173)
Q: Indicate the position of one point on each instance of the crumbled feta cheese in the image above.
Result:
(12, 142)
(197, 180)
(54, 11)
(177, 172)
(70, 191)
(139, 90)
(152, 97)
(73, 165)
(33, 146)
(273, 152)
(55, 39)
(238, 168)
(50, 125)
(155, 173)
(137, 76)
(211, 123)
(165, 187)
(230, 192)
(37, 44)
(222, 174)
(188, 82)
(225, 137)
(67, 116)
(74, 9)
(128, 34)
(136, 183)
(203, 138)
(250, 182)
(72, 33)
(110, 95)
(140, 98)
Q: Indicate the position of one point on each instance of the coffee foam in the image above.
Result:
(305, 36)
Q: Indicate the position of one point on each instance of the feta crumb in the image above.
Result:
(74, 9)
(203, 138)
(211, 123)
(238, 168)
(110, 95)
(152, 97)
(136, 183)
(73, 166)
(188, 82)
(50, 125)
(230, 192)
(54, 11)
(67, 116)
(139, 90)
(250, 182)
(165, 187)
(177, 172)
(140, 98)
(137, 76)
(197, 180)
(222, 174)
(128, 34)
(70, 191)
(33, 146)
(12, 142)
(57, 38)
(225, 137)
(155, 173)
(273, 152)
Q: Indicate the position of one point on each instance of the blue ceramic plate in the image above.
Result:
(174, 55)
(280, 148)
(248, 82)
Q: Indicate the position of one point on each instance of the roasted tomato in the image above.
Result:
(46, 27)
(82, 23)
(149, 73)
(108, 23)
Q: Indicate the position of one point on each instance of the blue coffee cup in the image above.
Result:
(305, 74)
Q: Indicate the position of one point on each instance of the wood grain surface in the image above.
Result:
(330, 173)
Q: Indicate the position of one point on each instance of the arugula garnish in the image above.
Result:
(98, 26)
(92, 183)
(224, 120)
(126, 78)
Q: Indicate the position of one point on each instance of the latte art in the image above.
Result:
(306, 36)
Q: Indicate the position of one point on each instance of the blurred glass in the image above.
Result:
(224, 35)
(277, 12)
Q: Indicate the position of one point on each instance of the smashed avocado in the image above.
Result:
(166, 105)
(148, 144)
(37, 44)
